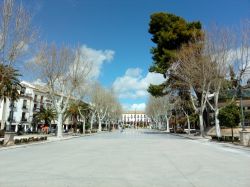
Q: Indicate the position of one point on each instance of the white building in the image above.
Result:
(135, 118)
(32, 99)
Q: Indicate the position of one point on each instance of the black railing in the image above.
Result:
(24, 120)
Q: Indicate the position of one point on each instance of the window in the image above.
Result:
(35, 99)
(11, 114)
(35, 106)
(22, 90)
(23, 117)
(41, 99)
(24, 104)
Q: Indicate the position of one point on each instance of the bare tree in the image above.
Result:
(152, 110)
(182, 103)
(218, 46)
(16, 33)
(64, 70)
(160, 110)
(114, 111)
(100, 101)
(197, 71)
(166, 109)
(242, 62)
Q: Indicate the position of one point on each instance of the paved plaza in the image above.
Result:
(132, 158)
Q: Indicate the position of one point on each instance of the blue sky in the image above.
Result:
(121, 27)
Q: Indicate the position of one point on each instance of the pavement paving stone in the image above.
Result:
(131, 158)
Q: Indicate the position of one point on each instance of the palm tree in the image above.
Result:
(45, 115)
(77, 110)
(73, 113)
(9, 85)
(84, 111)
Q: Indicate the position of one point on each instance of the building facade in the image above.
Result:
(32, 99)
(135, 118)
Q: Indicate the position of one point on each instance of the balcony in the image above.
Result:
(13, 120)
(27, 95)
(25, 107)
(36, 109)
(24, 120)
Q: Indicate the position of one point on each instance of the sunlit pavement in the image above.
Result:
(131, 158)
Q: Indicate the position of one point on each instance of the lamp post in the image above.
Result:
(242, 113)
(8, 128)
(241, 107)
(9, 135)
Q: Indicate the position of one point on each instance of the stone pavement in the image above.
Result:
(140, 158)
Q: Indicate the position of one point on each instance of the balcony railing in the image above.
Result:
(24, 120)
(13, 120)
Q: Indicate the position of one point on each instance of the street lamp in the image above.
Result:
(12, 105)
(8, 128)
(241, 106)
(9, 135)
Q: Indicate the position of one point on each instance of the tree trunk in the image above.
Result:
(232, 134)
(201, 125)
(75, 123)
(59, 125)
(83, 126)
(188, 121)
(159, 125)
(106, 125)
(217, 123)
(99, 124)
(91, 121)
(4, 113)
(167, 119)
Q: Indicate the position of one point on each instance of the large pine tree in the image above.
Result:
(169, 33)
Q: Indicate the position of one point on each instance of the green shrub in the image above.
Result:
(31, 139)
(229, 116)
(17, 141)
(93, 130)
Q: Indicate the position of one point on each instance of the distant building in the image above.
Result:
(135, 118)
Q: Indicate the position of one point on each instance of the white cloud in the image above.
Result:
(133, 85)
(38, 82)
(140, 106)
(97, 58)
(133, 107)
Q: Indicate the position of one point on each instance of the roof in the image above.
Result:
(133, 112)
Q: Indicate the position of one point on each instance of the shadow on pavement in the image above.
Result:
(156, 132)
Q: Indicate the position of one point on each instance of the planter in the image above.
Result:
(9, 138)
(245, 138)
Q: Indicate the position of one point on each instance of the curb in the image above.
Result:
(224, 144)
(48, 141)
(188, 137)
